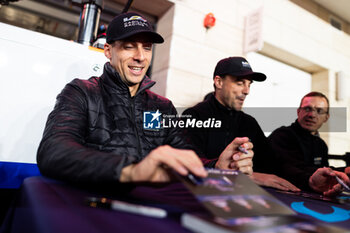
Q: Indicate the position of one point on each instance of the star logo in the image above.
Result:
(152, 120)
(156, 115)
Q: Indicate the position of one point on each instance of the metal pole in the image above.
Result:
(127, 6)
(89, 20)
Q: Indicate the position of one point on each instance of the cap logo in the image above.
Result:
(135, 17)
(245, 64)
(135, 21)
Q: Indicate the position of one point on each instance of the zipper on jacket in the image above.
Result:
(135, 126)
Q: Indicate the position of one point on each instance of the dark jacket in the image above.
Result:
(209, 142)
(300, 153)
(96, 129)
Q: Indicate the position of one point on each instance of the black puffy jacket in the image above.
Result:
(96, 129)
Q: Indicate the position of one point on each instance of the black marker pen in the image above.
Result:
(242, 149)
(342, 183)
(194, 179)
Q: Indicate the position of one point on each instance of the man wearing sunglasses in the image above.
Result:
(302, 153)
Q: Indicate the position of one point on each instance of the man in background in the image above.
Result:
(303, 155)
(232, 79)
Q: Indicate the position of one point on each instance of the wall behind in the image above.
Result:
(290, 33)
(33, 72)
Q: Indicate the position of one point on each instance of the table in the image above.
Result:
(49, 206)
(329, 212)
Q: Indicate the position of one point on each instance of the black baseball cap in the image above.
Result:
(238, 67)
(129, 24)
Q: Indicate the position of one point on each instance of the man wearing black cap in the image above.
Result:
(232, 79)
(95, 133)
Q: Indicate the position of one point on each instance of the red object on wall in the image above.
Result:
(209, 21)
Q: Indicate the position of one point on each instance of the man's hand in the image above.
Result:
(323, 181)
(273, 181)
(232, 158)
(347, 171)
(153, 168)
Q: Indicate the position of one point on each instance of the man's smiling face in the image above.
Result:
(131, 58)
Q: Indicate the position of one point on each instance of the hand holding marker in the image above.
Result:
(197, 180)
(243, 150)
(342, 183)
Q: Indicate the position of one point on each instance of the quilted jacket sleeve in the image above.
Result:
(62, 153)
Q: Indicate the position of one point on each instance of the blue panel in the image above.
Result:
(13, 174)
(338, 214)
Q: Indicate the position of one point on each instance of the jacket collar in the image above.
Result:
(112, 79)
(221, 107)
(300, 129)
